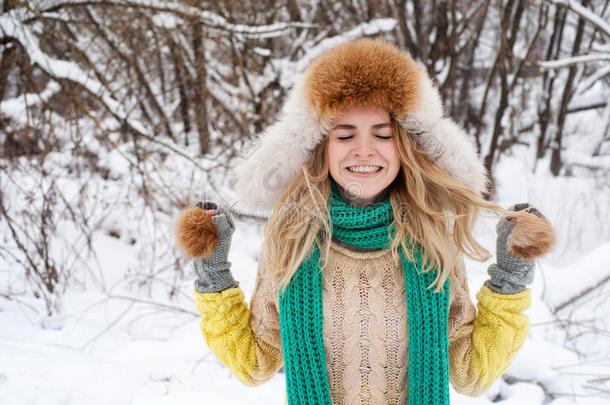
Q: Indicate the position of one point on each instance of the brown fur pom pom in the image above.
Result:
(531, 237)
(196, 234)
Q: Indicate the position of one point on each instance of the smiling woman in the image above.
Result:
(372, 212)
(362, 154)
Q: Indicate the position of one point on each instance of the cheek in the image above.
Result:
(334, 155)
(393, 159)
(390, 153)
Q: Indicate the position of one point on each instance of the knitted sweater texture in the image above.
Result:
(301, 313)
(365, 329)
(365, 318)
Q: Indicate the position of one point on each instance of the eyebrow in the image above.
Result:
(349, 126)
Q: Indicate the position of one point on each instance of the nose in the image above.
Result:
(363, 147)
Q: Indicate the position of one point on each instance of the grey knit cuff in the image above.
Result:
(509, 281)
(214, 272)
(210, 279)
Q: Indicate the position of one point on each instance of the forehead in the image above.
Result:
(362, 115)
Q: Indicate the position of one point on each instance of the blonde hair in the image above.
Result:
(436, 211)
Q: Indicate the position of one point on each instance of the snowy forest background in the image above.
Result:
(116, 114)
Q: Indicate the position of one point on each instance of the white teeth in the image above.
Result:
(364, 169)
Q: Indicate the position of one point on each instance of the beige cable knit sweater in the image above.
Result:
(365, 328)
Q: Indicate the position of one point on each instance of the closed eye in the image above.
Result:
(346, 137)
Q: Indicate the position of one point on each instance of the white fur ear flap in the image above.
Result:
(278, 153)
(429, 105)
(448, 145)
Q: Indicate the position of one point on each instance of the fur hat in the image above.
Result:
(362, 72)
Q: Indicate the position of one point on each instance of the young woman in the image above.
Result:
(361, 291)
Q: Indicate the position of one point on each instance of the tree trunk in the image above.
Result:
(184, 101)
(372, 8)
(8, 54)
(556, 164)
(406, 36)
(201, 111)
(504, 68)
(8, 57)
(548, 81)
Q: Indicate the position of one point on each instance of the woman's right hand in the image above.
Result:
(214, 271)
(204, 233)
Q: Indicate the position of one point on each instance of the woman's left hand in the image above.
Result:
(510, 274)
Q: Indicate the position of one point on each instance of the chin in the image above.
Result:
(370, 194)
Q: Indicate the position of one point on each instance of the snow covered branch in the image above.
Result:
(590, 17)
(208, 18)
(575, 60)
(594, 19)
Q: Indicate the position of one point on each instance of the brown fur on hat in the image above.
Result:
(363, 72)
(531, 237)
(196, 235)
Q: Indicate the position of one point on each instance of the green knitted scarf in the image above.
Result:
(301, 313)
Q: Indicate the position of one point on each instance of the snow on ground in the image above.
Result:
(121, 345)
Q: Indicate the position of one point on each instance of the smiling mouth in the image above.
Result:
(364, 169)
